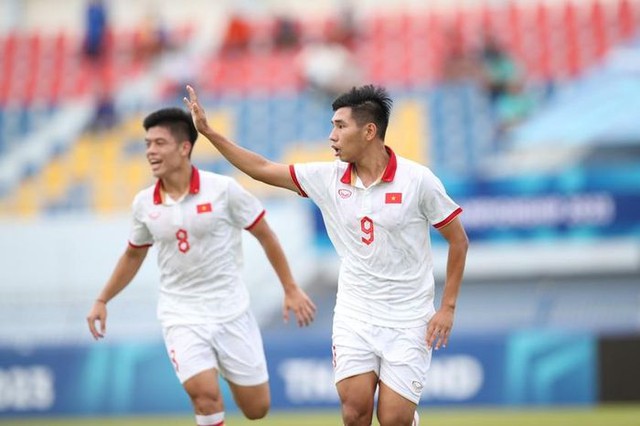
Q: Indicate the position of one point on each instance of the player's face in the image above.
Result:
(347, 138)
(164, 153)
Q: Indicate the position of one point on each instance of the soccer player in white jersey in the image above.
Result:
(377, 208)
(195, 219)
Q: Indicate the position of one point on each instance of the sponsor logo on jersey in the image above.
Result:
(344, 193)
(154, 215)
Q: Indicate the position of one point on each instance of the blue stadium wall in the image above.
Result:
(528, 368)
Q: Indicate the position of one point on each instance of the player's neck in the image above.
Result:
(177, 183)
(371, 166)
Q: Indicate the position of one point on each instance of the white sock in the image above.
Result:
(216, 419)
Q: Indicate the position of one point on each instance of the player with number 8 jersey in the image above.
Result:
(198, 240)
(195, 219)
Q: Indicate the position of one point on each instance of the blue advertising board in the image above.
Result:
(528, 368)
(97, 379)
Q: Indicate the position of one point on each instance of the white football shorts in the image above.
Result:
(399, 356)
(233, 348)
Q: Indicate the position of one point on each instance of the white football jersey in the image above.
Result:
(381, 234)
(199, 245)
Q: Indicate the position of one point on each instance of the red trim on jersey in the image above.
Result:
(392, 166)
(292, 172)
(346, 177)
(157, 193)
(174, 360)
(448, 219)
(255, 222)
(137, 246)
(194, 186)
(387, 176)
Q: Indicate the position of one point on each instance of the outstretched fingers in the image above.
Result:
(192, 94)
(197, 112)
(191, 102)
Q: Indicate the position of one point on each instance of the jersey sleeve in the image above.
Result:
(245, 209)
(139, 235)
(312, 179)
(436, 204)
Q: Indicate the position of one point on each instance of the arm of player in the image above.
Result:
(295, 298)
(441, 323)
(126, 268)
(249, 162)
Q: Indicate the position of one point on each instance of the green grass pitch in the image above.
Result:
(623, 415)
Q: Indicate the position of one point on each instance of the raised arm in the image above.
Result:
(295, 298)
(249, 162)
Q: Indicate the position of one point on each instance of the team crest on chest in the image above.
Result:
(344, 193)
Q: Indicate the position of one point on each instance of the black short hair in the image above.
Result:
(369, 104)
(177, 120)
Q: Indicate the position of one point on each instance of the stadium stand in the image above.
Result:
(553, 42)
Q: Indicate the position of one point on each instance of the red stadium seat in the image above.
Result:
(7, 61)
(32, 67)
(543, 25)
(626, 19)
(598, 25)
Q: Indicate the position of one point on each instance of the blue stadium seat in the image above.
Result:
(462, 128)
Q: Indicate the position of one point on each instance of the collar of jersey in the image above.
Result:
(349, 177)
(194, 186)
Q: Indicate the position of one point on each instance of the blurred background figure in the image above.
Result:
(105, 116)
(238, 35)
(96, 30)
(499, 69)
(154, 37)
(286, 33)
(343, 29)
(328, 67)
(461, 62)
(327, 63)
(513, 105)
(96, 50)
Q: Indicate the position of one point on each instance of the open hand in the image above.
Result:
(439, 328)
(301, 305)
(197, 112)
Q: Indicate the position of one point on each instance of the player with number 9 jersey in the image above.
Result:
(381, 234)
(378, 209)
